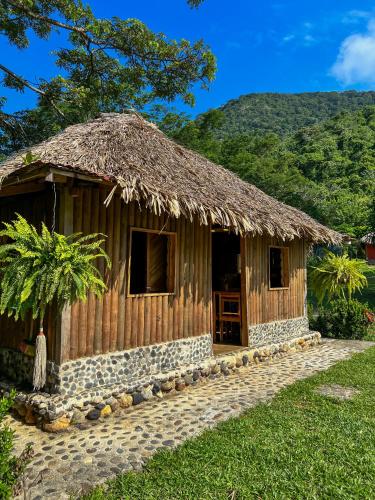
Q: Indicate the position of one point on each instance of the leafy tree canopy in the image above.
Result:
(284, 114)
(108, 65)
(327, 170)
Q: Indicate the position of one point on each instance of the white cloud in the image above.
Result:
(309, 39)
(288, 38)
(355, 16)
(355, 62)
(302, 36)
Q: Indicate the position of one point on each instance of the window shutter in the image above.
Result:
(157, 264)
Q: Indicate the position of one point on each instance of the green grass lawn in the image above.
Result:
(368, 294)
(299, 446)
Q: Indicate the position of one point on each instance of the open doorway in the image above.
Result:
(226, 286)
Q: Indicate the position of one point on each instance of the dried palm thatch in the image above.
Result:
(150, 168)
(368, 239)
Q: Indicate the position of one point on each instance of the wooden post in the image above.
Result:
(244, 292)
(66, 227)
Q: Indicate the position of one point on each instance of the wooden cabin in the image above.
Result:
(200, 259)
(369, 243)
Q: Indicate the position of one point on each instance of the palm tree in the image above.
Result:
(337, 276)
(37, 270)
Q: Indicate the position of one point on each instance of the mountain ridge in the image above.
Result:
(285, 113)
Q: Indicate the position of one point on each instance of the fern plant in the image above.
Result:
(38, 269)
(337, 276)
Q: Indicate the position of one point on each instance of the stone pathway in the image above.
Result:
(72, 462)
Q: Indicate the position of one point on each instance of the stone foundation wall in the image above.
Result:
(277, 331)
(55, 412)
(95, 373)
(126, 368)
(19, 368)
(16, 366)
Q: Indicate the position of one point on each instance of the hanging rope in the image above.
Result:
(40, 360)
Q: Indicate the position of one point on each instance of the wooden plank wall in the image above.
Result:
(35, 207)
(116, 321)
(265, 305)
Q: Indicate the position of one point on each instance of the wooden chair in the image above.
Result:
(228, 310)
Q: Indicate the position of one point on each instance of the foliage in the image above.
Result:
(285, 114)
(38, 269)
(372, 216)
(343, 319)
(11, 467)
(337, 276)
(367, 295)
(106, 65)
(299, 445)
(327, 170)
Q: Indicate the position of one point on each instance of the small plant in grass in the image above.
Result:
(11, 466)
(38, 269)
(337, 276)
(344, 319)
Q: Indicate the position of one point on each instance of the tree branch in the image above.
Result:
(53, 22)
(149, 56)
(27, 84)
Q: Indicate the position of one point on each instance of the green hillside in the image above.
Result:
(326, 170)
(286, 113)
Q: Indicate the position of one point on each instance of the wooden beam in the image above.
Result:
(55, 177)
(25, 174)
(76, 175)
(27, 187)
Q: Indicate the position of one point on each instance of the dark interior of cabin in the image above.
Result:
(226, 284)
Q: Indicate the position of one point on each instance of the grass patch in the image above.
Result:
(300, 445)
(368, 293)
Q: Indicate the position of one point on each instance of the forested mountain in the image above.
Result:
(286, 113)
(327, 170)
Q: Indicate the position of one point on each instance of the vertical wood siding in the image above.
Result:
(117, 321)
(35, 207)
(265, 305)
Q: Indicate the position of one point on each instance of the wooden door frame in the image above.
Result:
(244, 335)
(244, 323)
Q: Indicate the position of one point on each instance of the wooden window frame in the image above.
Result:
(284, 251)
(152, 231)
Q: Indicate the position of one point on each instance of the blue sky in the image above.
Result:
(269, 46)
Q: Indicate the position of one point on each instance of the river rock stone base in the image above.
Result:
(56, 412)
(69, 464)
(19, 368)
(278, 331)
(95, 374)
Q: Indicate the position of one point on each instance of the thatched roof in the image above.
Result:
(368, 239)
(147, 166)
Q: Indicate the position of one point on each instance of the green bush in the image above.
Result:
(11, 466)
(342, 319)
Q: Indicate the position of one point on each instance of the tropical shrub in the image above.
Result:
(337, 276)
(343, 319)
(11, 466)
(38, 269)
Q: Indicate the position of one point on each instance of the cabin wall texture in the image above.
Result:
(118, 322)
(36, 208)
(274, 314)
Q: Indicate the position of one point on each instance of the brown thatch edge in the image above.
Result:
(147, 167)
(368, 239)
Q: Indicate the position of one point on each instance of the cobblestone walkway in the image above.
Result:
(76, 460)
